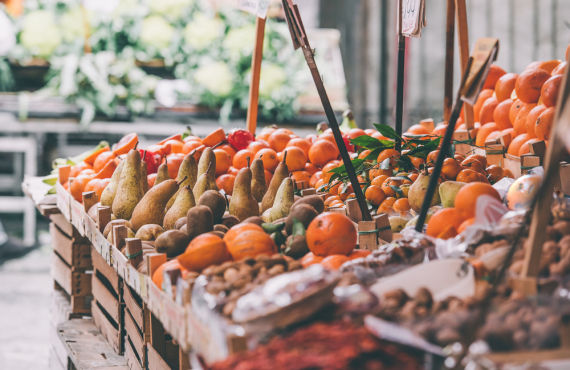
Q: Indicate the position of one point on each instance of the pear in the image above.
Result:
(243, 204)
(258, 186)
(144, 174)
(110, 190)
(397, 223)
(186, 176)
(417, 193)
(447, 192)
(281, 172)
(206, 181)
(129, 191)
(184, 201)
(283, 201)
(151, 208)
(206, 159)
(162, 173)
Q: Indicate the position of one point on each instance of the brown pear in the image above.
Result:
(243, 204)
(207, 180)
(281, 172)
(129, 191)
(184, 201)
(108, 194)
(162, 173)
(151, 208)
(187, 174)
(144, 174)
(258, 186)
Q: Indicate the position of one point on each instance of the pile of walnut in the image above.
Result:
(231, 280)
(515, 324)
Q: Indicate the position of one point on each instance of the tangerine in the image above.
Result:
(331, 233)
(516, 143)
(322, 152)
(501, 114)
(505, 86)
(531, 119)
(243, 157)
(549, 91)
(375, 195)
(466, 198)
(543, 124)
(296, 158)
(529, 84)
(269, 158)
(487, 110)
(441, 221)
(484, 131)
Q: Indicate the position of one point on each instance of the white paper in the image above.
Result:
(256, 7)
(413, 17)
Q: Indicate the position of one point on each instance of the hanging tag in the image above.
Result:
(256, 7)
(484, 54)
(413, 17)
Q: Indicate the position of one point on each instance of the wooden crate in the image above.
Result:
(162, 351)
(75, 252)
(136, 326)
(74, 282)
(107, 306)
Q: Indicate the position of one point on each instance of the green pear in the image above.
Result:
(162, 173)
(186, 176)
(151, 208)
(258, 186)
(284, 199)
(447, 192)
(207, 180)
(206, 160)
(243, 204)
(418, 190)
(129, 191)
(110, 190)
(184, 201)
(397, 223)
(281, 172)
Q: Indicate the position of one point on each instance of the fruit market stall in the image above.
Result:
(442, 246)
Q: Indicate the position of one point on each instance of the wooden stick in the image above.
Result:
(89, 200)
(540, 218)
(300, 39)
(400, 76)
(463, 36)
(103, 217)
(449, 54)
(256, 59)
(134, 251)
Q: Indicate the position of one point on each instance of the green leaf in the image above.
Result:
(422, 151)
(272, 228)
(373, 155)
(371, 143)
(387, 131)
(397, 190)
(357, 162)
(278, 238)
(405, 163)
(298, 227)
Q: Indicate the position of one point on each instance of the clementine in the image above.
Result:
(331, 233)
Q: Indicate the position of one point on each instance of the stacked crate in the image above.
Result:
(71, 267)
(137, 329)
(107, 307)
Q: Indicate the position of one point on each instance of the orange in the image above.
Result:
(466, 198)
(487, 110)
(493, 136)
(240, 159)
(334, 262)
(393, 154)
(300, 176)
(331, 233)
(543, 124)
(469, 175)
(389, 183)
(228, 149)
(515, 109)
(215, 137)
(174, 146)
(560, 69)
(549, 91)
(269, 158)
(296, 158)
(443, 219)
(125, 144)
(328, 167)
(233, 171)
(256, 146)
(481, 158)
(378, 180)
(432, 157)
(102, 160)
(77, 185)
(549, 65)
(223, 161)
(79, 168)
(315, 177)
(439, 130)
(174, 162)
(472, 164)
(191, 145)
(505, 86)
(278, 139)
(355, 132)
(494, 173)
(310, 259)
(529, 83)
(322, 152)
(401, 206)
(158, 275)
(450, 168)
(310, 168)
(363, 154)
(531, 119)
(495, 72)
(386, 206)
(516, 143)
(304, 144)
(375, 195)
(501, 114)
(226, 183)
(483, 95)
(418, 129)
(525, 148)
(150, 179)
(465, 224)
(331, 199)
(97, 185)
(520, 122)
(375, 172)
(417, 161)
(90, 159)
(484, 131)
(265, 132)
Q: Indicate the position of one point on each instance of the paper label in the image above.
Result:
(484, 54)
(256, 7)
(413, 17)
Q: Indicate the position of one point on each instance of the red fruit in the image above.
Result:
(240, 139)
(152, 160)
(347, 143)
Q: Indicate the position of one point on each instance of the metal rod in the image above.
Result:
(449, 54)
(400, 86)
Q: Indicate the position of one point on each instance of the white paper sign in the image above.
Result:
(256, 7)
(413, 17)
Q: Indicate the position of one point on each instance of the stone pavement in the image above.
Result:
(25, 299)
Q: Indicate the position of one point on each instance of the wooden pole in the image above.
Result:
(449, 54)
(300, 39)
(400, 76)
(463, 36)
(256, 59)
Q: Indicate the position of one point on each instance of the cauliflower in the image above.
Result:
(215, 77)
(72, 24)
(239, 41)
(271, 79)
(169, 8)
(202, 31)
(40, 34)
(156, 32)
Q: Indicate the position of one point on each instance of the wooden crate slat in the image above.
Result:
(135, 336)
(101, 265)
(134, 306)
(64, 225)
(75, 254)
(72, 281)
(155, 361)
(108, 301)
(112, 334)
(133, 361)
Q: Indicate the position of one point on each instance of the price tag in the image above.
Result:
(413, 17)
(256, 7)
(484, 54)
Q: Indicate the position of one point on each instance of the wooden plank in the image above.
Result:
(108, 300)
(133, 361)
(64, 225)
(135, 336)
(87, 348)
(155, 361)
(112, 334)
(134, 305)
(463, 38)
(75, 254)
(72, 281)
(101, 265)
(81, 305)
